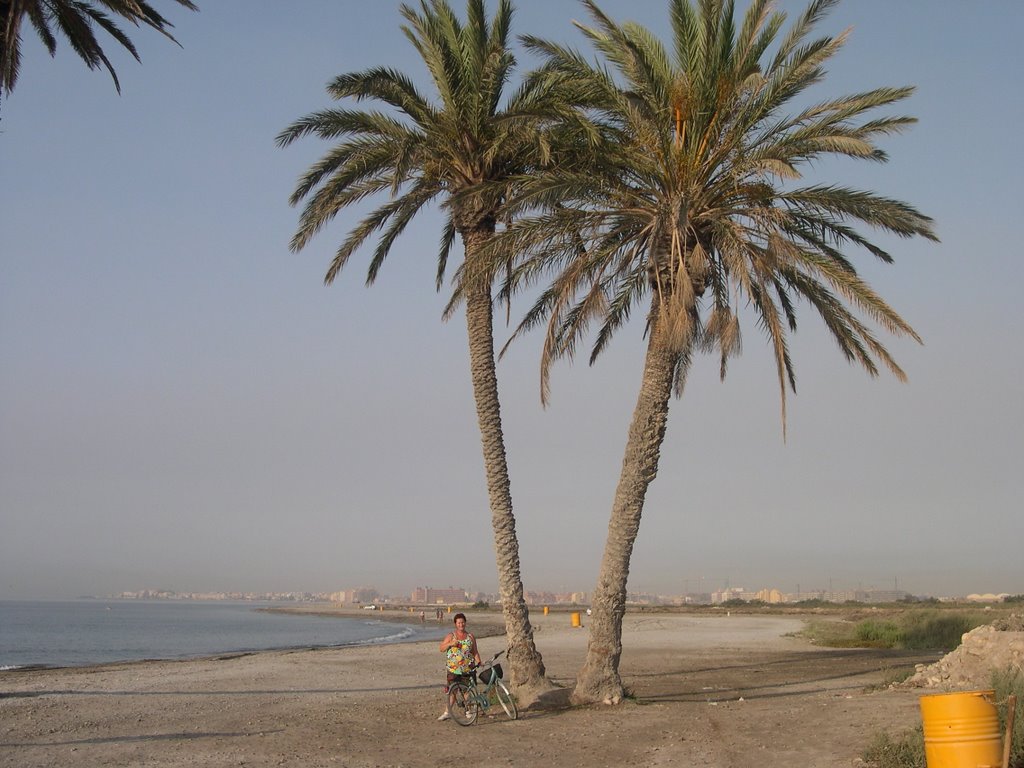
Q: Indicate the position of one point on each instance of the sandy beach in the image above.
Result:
(711, 691)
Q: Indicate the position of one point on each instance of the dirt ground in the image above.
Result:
(708, 691)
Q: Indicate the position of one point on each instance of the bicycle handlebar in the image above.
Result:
(487, 664)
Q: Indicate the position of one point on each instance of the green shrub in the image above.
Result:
(904, 752)
(878, 634)
(915, 629)
(932, 630)
(1006, 682)
(829, 633)
(912, 630)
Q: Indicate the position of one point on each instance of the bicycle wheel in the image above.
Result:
(461, 704)
(505, 699)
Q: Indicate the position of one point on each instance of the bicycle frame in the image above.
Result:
(472, 699)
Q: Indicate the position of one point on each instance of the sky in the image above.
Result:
(184, 405)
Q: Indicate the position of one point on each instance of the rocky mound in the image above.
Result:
(992, 647)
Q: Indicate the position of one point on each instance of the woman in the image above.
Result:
(460, 646)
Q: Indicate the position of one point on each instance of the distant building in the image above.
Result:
(695, 598)
(731, 593)
(574, 598)
(988, 597)
(886, 595)
(431, 596)
(357, 595)
(532, 597)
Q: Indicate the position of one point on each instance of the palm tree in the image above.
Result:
(74, 19)
(694, 210)
(461, 151)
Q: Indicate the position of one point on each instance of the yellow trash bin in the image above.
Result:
(961, 730)
(576, 618)
(545, 610)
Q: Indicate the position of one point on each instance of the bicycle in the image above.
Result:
(466, 700)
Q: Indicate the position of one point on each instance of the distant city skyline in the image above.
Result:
(457, 594)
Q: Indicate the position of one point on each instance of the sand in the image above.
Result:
(708, 691)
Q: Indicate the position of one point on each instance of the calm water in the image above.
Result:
(81, 632)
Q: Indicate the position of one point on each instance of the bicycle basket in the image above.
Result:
(485, 675)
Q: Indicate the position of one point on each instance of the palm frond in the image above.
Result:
(75, 20)
(891, 215)
(385, 85)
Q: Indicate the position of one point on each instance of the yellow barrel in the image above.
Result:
(545, 610)
(961, 730)
(576, 619)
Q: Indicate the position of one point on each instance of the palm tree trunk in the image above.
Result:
(526, 667)
(599, 679)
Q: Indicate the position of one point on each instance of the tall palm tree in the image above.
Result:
(74, 19)
(695, 210)
(460, 151)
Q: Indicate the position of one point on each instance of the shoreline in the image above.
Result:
(488, 623)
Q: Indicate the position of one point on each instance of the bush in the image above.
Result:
(828, 633)
(878, 634)
(916, 629)
(933, 631)
(482, 604)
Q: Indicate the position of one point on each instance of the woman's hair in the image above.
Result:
(459, 616)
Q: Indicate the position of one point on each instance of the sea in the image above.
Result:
(85, 632)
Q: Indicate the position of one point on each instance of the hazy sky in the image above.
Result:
(184, 405)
